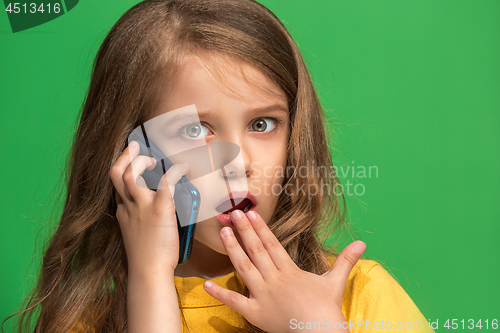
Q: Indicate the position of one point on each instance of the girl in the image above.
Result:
(111, 265)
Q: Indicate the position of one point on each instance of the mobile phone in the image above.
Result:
(186, 197)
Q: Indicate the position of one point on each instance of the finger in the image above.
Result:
(275, 250)
(141, 182)
(139, 165)
(253, 245)
(118, 197)
(243, 265)
(136, 168)
(234, 300)
(118, 169)
(166, 187)
(341, 268)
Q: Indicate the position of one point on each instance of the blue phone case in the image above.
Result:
(186, 197)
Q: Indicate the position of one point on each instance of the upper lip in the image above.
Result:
(241, 195)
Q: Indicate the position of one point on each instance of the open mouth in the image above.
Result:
(243, 204)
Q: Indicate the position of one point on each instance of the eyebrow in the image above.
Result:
(210, 113)
(272, 107)
(261, 109)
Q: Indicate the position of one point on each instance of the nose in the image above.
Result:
(235, 161)
(239, 166)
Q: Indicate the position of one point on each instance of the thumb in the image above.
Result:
(341, 268)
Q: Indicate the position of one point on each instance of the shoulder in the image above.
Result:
(373, 295)
(368, 280)
(367, 272)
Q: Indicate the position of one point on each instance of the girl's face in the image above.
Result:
(245, 108)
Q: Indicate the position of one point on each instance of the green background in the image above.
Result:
(412, 87)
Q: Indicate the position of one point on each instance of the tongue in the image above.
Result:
(227, 206)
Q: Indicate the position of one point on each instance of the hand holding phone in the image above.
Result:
(186, 196)
(147, 220)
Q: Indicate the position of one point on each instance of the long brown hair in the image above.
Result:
(83, 276)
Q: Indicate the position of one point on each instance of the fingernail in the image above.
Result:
(153, 161)
(359, 247)
(251, 215)
(208, 284)
(227, 231)
(237, 215)
(132, 144)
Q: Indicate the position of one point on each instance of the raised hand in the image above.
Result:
(149, 229)
(280, 292)
(147, 218)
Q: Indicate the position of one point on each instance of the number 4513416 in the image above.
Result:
(471, 324)
(33, 8)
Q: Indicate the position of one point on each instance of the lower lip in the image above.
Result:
(226, 218)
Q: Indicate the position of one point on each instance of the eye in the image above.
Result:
(263, 125)
(195, 130)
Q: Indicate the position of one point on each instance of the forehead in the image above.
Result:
(208, 78)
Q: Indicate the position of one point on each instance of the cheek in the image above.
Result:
(268, 174)
(271, 180)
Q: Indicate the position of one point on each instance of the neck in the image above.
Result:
(204, 263)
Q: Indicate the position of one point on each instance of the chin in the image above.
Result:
(215, 245)
(220, 250)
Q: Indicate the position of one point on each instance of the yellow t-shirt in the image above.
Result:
(372, 301)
